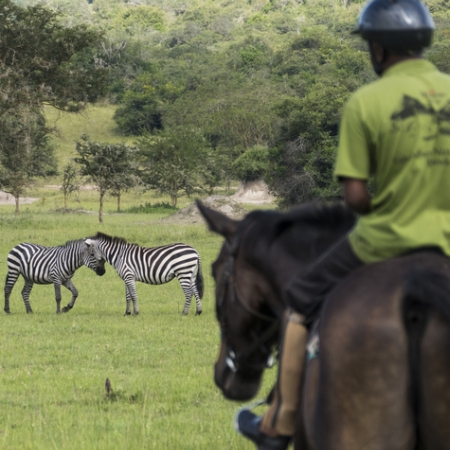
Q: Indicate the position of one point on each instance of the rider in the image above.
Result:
(396, 132)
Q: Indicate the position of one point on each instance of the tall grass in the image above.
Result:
(53, 367)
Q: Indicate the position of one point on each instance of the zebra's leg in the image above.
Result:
(131, 294)
(57, 286)
(198, 302)
(26, 295)
(187, 289)
(11, 279)
(69, 285)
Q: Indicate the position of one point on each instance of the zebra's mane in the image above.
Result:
(110, 239)
(70, 243)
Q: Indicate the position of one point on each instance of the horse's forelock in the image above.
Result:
(255, 232)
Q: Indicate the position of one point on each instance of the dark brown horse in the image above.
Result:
(382, 379)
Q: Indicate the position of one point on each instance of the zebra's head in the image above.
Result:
(93, 258)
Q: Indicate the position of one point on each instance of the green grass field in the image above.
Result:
(53, 367)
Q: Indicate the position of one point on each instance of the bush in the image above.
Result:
(148, 208)
(252, 165)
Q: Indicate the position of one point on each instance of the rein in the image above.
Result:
(239, 360)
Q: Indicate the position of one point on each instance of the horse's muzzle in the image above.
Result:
(233, 384)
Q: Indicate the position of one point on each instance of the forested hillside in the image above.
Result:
(258, 85)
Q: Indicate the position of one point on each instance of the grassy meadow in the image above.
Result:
(96, 121)
(53, 367)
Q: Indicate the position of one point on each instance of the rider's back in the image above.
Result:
(396, 132)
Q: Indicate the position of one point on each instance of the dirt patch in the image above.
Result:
(191, 214)
(253, 192)
(8, 199)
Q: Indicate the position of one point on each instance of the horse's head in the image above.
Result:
(93, 258)
(248, 322)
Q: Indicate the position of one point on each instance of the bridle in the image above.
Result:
(240, 360)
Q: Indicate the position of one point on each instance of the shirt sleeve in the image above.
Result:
(353, 156)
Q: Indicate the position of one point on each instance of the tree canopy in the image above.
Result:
(246, 73)
(110, 167)
(173, 161)
(42, 61)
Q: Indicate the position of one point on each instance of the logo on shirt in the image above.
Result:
(412, 110)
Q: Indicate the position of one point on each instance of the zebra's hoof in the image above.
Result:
(29, 311)
(7, 311)
(198, 313)
(127, 313)
(136, 313)
(66, 309)
(185, 313)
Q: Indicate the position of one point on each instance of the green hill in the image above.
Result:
(96, 121)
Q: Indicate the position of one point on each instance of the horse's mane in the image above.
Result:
(323, 216)
(270, 224)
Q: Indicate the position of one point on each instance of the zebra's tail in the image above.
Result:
(199, 279)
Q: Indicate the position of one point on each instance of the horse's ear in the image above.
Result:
(217, 222)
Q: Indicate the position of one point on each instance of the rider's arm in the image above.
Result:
(354, 161)
(356, 195)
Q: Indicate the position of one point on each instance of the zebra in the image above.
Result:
(154, 265)
(47, 265)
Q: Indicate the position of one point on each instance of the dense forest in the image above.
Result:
(219, 90)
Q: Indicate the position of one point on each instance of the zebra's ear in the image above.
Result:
(89, 242)
(218, 222)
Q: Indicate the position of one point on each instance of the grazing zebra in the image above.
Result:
(156, 265)
(47, 265)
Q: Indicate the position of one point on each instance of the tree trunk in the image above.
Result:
(100, 211)
(118, 203)
(16, 198)
(173, 200)
(65, 203)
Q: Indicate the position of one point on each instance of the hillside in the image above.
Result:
(244, 74)
(96, 121)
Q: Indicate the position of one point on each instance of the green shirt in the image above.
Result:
(396, 131)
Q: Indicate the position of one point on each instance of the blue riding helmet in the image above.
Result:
(398, 25)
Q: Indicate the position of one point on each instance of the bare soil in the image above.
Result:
(191, 214)
(8, 199)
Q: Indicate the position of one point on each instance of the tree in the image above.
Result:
(106, 165)
(141, 110)
(252, 165)
(126, 176)
(287, 176)
(69, 183)
(41, 61)
(323, 72)
(25, 151)
(173, 161)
